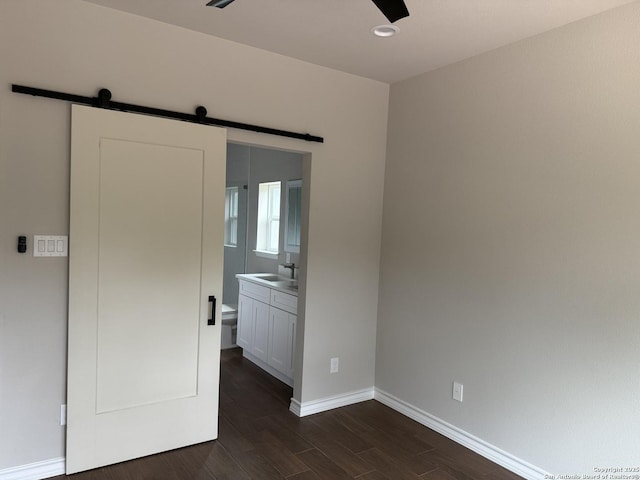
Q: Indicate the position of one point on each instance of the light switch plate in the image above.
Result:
(50, 245)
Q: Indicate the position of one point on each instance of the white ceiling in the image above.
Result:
(336, 33)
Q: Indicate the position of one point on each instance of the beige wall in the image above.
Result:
(511, 239)
(78, 47)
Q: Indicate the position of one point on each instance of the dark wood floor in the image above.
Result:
(260, 439)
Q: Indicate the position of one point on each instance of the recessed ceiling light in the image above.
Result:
(385, 30)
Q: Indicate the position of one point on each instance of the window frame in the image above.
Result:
(268, 226)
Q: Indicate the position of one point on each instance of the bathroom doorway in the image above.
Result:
(249, 170)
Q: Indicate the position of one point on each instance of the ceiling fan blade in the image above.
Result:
(392, 9)
(219, 3)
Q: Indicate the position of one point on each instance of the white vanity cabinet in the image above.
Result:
(267, 326)
(282, 335)
(253, 326)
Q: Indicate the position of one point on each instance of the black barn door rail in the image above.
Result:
(103, 100)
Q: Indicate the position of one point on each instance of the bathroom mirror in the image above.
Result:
(292, 216)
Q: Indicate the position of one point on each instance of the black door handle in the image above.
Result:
(212, 301)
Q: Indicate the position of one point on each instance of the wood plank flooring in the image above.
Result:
(259, 439)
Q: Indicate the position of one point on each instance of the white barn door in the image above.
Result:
(145, 254)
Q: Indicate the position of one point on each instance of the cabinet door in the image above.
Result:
(281, 340)
(245, 322)
(260, 330)
(278, 345)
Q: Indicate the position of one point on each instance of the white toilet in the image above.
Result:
(229, 326)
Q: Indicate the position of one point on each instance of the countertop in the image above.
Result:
(271, 280)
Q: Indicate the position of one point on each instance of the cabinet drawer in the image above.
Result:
(254, 291)
(284, 301)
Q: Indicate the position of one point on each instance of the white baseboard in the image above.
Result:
(35, 471)
(56, 466)
(329, 403)
(491, 452)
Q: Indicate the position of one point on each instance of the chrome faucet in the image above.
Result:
(292, 266)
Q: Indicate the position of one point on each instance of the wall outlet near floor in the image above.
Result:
(63, 414)
(335, 366)
(457, 391)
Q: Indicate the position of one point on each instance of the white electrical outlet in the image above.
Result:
(335, 366)
(63, 414)
(287, 257)
(457, 391)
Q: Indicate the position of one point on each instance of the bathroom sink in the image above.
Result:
(278, 280)
(270, 278)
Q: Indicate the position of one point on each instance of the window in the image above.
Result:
(268, 218)
(231, 217)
